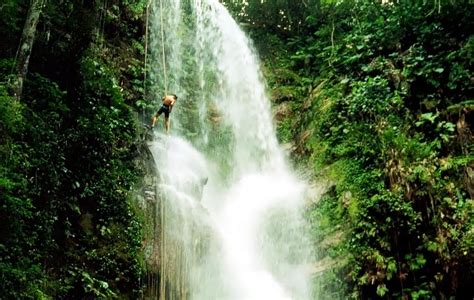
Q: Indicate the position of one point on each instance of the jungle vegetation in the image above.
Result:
(374, 99)
(377, 101)
(71, 73)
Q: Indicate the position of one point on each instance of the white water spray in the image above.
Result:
(249, 212)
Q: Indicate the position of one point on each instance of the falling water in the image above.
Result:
(230, 206)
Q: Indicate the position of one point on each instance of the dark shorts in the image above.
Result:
(164, 109)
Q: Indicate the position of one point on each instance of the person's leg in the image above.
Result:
(155, 117)
(167, 124)
(167, 121)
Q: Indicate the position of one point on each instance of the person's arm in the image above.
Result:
(173, 101)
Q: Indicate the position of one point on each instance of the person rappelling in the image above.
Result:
(168, 102)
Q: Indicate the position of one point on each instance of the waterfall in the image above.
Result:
(230, 214)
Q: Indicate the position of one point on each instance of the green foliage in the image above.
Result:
(11, 23)
(371, 98)
(68, 225)
(282, 16)
(380, 106)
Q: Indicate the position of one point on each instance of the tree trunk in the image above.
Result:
(26, 43)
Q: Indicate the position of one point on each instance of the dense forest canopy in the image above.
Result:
(374, 99)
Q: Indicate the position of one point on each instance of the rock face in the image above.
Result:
(147, 201)
(175, 237)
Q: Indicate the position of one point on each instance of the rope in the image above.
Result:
(162, 200)
(163, 47)
(147, 14)
(145, 68)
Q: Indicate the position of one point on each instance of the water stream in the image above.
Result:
(230, 215)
